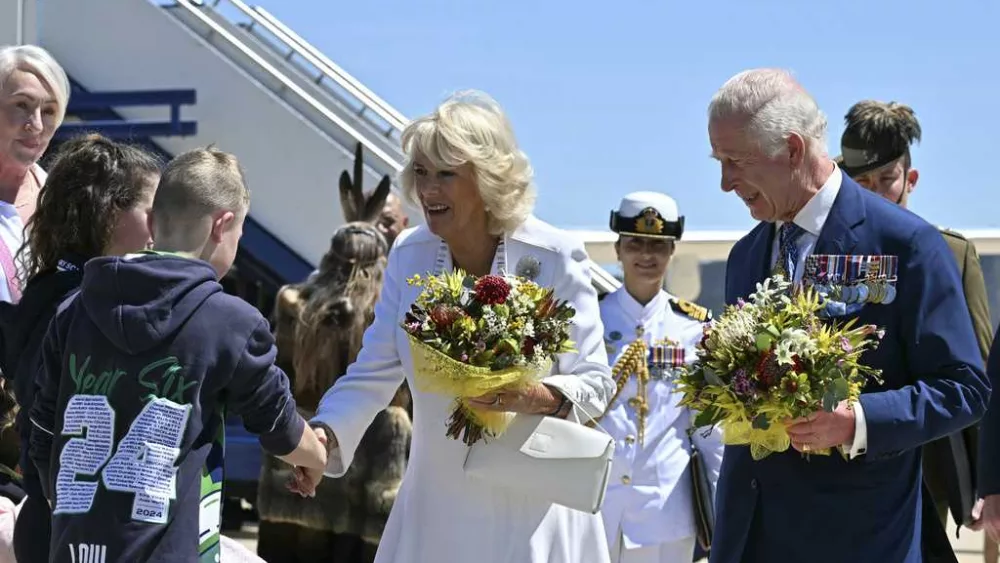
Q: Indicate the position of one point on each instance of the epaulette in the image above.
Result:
(950, 233)
(693, 310)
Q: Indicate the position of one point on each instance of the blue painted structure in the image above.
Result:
(263, 262)
(262, 254)
(84, 102)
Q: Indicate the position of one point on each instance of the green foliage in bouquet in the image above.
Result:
(773, 359)
(473, 336)
(493, 321)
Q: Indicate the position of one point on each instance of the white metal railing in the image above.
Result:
(323, 72)
(375, 103)
(601, 279)
(392, 164)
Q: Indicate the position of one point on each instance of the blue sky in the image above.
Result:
(609, 98)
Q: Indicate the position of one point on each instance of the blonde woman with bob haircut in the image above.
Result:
(474, 185)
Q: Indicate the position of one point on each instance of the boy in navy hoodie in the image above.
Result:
(140, 369)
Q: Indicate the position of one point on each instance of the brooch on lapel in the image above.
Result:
(528, 268)
(847, 280)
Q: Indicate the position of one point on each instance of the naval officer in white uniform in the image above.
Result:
(649, 511)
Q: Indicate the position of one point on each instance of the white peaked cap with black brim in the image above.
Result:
(648, 214)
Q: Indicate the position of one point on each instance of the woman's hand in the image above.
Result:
(536, 399)
(304, 480)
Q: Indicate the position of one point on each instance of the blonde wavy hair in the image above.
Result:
(338, 303)
(471, 128)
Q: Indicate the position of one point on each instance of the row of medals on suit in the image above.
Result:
(875, 281)
(862, 291)
(873, 289)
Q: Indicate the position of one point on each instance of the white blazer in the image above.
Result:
(439, 515)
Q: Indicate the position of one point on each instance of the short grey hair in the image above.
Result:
(774, 104)
(39, 62)
(471, 128)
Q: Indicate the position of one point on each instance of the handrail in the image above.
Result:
(82, 101)
(290, 85)
(327, 69)
(91, 100)
(386, 112)
(602, 278)
(127, 129)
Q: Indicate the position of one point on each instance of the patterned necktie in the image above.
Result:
(788, 251)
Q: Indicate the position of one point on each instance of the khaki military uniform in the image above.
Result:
(952, 481)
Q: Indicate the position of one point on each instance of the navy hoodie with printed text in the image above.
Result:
(23, 326)
(140, 369)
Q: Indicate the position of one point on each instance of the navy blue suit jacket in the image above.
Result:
(867, 510)
(989, 430)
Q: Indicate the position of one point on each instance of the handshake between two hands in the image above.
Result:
(305, 478)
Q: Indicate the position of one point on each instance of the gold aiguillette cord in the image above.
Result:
(633, 361)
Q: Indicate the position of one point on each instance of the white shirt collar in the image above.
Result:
(813, 215)
(635, 310)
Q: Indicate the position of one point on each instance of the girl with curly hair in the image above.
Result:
(94, 203)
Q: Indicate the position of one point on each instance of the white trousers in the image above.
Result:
(680, 551)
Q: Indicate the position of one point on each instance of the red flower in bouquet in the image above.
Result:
(528, 349)
(491, 290)
(445, 315)
(791, 386)
(769, 371)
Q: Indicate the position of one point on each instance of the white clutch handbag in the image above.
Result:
(549, 458)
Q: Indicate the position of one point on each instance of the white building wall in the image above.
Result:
(18, 22)
(291, 165)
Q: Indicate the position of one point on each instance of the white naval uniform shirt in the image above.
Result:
(649, 499)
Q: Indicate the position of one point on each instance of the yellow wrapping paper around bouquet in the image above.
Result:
(434, 372)
(740, 432)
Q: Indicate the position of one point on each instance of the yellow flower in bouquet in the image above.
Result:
(772, 359)
(471, 336)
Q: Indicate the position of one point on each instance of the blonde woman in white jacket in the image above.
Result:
(474, 185)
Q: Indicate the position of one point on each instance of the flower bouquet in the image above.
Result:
(472, 336)
(772, 359)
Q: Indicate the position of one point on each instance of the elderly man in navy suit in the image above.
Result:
(863, 506)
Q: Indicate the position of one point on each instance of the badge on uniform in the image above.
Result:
(847, 282)
(612, 341)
